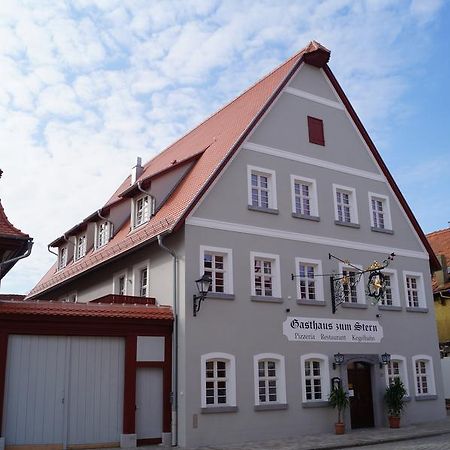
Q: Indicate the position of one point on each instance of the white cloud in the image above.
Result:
(86, 86)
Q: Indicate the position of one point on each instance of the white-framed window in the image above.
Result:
(143, 208)
(414, 289)
(143, 282)
(218, 380)
(62, 257)
(80, 246)
(304, 196)
(217, 263)
(309, 284)
(315, 377)
(345, 207)
(352, 294)
(265, 270)
(391, 296)
(72, 297)
(423, 375)
(102, 233)
(141, 279)
(380, 212)
(396, 368)
(120, 281)
(270, 379)
(262, 191)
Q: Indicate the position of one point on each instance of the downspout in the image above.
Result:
(175, 344)
(54, 253)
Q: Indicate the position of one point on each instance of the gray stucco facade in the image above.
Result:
(237, 325)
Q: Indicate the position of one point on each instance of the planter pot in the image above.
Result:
(394, 422)
(339, 428)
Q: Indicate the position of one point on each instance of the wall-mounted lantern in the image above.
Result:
(203, 285)
(338, 360)
(385, 359)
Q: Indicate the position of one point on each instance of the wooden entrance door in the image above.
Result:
(361, 404)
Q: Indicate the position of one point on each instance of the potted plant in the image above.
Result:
(339, 399)
(395, 402)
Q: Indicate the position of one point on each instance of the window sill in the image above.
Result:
(271, 407)
(416, 309)
(301, 301)
(306, 217)
(347, 224)
(218, 409)
(263, 210)
(390, 308)
(219, 296)
(261, 298)
(316, 404)
(355, 305)
(422, 398)
(382, 230)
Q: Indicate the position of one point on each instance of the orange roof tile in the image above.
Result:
(219, 136)
(440, 242)
(7, 229)
(49, 308)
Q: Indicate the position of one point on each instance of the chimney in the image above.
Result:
(137, 170)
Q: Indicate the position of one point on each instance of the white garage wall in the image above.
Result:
(64, 390)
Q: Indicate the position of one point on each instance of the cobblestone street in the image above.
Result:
(430, 443)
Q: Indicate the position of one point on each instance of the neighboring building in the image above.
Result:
(14, 244)
(440, 242)
(269, 185)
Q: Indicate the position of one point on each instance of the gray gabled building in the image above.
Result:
(269, 186)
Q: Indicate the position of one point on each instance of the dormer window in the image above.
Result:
(80, 247)
(102, 235)
(62, 258)
(143, 209)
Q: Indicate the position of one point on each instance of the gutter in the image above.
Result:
(174, 399)
(17, 258)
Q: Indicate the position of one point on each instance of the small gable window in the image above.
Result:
(62, 259)
(143, 210)
(315, 131)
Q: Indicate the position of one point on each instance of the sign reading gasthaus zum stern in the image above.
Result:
(309, 329)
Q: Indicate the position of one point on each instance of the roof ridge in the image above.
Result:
(297, 54)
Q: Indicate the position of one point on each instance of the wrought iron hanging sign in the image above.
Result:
(343, 285)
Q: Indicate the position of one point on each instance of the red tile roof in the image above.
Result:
(7, 229)
(219, 136)
(440, 242)
(49, 308)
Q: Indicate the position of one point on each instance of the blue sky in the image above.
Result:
(86, 86)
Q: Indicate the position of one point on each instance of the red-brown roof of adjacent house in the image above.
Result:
(50, 308)
(440, 242)
(7, 229)
(219, 136)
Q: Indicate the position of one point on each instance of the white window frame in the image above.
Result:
(360, 292)
(386, 211)
(276, 280)
(230, 367)
(271, 185)
(227, 253)
(63, 255)
(430, 374)
(136, 277)
(150, 211)
(403, 375)
(324, 376)
(313, 206)
(116, 284)
(420, 289)
(320, 297)
(394, 287)
(280, 377)
(76, 257)
(352, 203)
(108, 233)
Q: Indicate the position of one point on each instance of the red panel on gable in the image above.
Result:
(315, 130)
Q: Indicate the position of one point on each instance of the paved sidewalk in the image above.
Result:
(359, 438)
